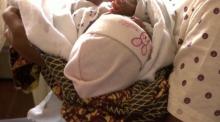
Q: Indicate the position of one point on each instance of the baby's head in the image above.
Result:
(124, 7)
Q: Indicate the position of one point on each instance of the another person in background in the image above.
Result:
(194, 83)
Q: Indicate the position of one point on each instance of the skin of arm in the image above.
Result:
(17, 36)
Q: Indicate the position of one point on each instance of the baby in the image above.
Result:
(114, 48)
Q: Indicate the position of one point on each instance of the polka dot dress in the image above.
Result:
(195, 82)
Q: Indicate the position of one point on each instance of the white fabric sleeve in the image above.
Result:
(194, 83)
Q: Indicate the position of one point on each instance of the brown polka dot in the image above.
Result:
(186, 17)
(182, 66)
(193, 9)
(213, 53)
(217, 113)
(184, 82)
(196, 59)
(179, 111)
(208, 95)
(201, 77)
(219, 72)
(187, 100)
(205, 35)
(216, 11)
(185, 9)
(180, 42)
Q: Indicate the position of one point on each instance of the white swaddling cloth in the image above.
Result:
(47, 111)
(37, 18)
(106, 70)
(164, 48)
(50, 26)
(54, 39)
(108, 57)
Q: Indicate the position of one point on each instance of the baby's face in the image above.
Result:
(124, 7)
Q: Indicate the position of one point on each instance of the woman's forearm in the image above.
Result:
(22, 45)
(17, 36)
(28, 52)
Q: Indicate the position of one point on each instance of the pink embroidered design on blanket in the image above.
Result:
(142, 42)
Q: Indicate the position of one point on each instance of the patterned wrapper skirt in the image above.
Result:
(142, 102)
(25, 74)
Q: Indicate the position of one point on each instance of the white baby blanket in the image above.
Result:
(49, 24)
(52, 30)
(108, 57)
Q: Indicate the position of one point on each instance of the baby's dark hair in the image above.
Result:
(96, 2)
(133, 2)
(124, 7)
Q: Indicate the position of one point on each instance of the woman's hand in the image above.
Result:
(15, 33)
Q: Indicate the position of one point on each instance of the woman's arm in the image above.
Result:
(16, 34)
